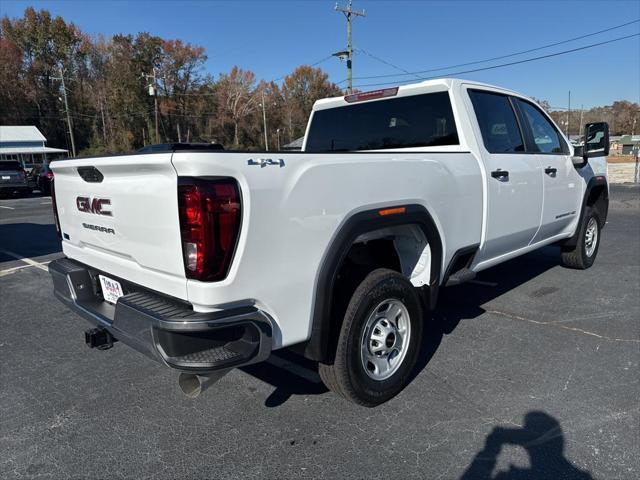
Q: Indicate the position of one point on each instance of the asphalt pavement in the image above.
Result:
(531, 371)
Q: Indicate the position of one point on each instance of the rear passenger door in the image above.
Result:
(514, 182)
(561, 186)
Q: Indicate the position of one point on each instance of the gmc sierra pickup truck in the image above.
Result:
(206, 260)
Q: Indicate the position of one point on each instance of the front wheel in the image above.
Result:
(585, 251)
(379, 340)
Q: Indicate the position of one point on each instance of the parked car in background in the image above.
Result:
(40, 178)
(13, 179)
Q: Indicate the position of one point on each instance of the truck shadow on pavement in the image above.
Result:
(27, 240)
(465, 302)
(543, 440)
(293, 375)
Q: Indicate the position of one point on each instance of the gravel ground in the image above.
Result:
(623, 173)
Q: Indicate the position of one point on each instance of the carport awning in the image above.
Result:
(15, 150)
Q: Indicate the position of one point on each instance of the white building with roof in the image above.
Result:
(26, 144)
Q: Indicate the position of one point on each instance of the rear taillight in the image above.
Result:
(55, 210)
(49, 175)
(210, 213)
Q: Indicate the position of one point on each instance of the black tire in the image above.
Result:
(347, 375)
(581, 256)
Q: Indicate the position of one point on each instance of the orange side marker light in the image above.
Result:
(392, 211)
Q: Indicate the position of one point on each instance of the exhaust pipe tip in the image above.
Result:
(190, 384)
(193, 385)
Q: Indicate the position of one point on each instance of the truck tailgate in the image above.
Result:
(120, 215)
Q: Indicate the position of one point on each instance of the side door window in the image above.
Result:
(497, 121)
(545, 137)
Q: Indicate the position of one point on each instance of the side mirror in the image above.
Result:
(596, 144)
(596, 140)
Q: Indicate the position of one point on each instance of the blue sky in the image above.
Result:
(273, 37)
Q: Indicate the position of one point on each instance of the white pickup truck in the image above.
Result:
(207, 260)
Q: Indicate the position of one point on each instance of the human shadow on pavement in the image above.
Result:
(542, 438)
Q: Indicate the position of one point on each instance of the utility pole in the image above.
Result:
(348, 13)
(581, 117)
(66, 108)
(569, 114)
(153, 91)
(104, 126)
(264, 122)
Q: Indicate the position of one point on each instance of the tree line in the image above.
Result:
(112, 85)
(111, 90)
(622, 116)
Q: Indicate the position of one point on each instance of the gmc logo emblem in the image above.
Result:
(94, 205)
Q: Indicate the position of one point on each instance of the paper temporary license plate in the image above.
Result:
(111, 290)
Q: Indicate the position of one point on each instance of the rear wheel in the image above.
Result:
(379, 340)
(585, 251)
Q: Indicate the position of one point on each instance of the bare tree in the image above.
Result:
(238, 98)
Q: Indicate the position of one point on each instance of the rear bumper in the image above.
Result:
(13, 187)
(165, 329)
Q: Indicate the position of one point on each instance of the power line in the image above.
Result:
(78, 115)
(115, 115)
(200, 94)
(503, 56)
(211, 94)
(541, 57)
(385, 62)
(314, 64)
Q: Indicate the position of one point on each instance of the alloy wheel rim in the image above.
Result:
(591, 237)
(385, 339)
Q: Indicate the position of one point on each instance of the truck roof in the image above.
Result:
(414, 89)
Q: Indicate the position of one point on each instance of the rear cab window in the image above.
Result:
(413, 121)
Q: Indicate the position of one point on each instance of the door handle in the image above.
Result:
(500, 173)
(550, 171)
